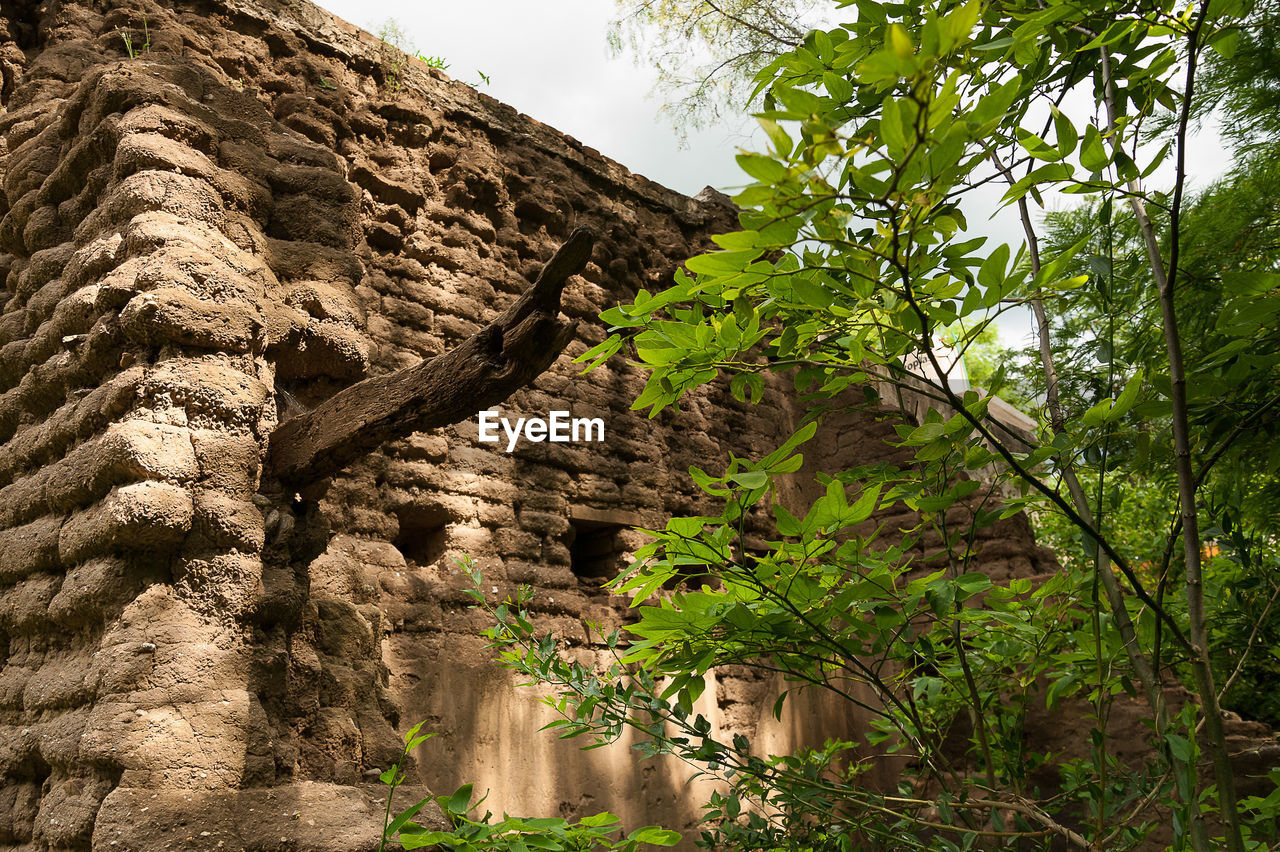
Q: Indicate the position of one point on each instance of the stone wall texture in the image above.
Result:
(258, 208)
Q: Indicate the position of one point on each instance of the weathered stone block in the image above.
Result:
(92, 589)
(29, 548)
(340, 819)
(62, 682)
(142, 516)
(155, 737)
(228, 522)
(23, 607)
(172, 315)
(213, 391)
(132, 450)
(543, 523)
(228, 461)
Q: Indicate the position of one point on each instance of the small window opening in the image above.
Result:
(594, 551)
(424, 531)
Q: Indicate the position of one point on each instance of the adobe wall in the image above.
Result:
(195, 244)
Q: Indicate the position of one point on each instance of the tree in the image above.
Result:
(851, 260)
(1230, 243)
(708, 52)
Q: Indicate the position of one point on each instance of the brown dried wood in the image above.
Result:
(495, 362)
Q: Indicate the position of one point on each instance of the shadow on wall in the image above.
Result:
(489, 735)
(810, 716)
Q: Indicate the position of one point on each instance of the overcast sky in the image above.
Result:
(552, 61)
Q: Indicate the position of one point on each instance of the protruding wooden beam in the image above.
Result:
(495, 362)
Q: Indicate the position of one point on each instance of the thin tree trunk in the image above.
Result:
(1111, 586)
(1187, 485)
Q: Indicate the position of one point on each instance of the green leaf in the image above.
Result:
(810, 292)
(460, 801)
(891, 128)
(958, 24)
(404, 817)
(721, 262)
(777, 136)
(1066, 133)
(798, 101)
(995, 105)
(764, 169)
(1179, 747)
(1225, 42)
(597, 820)
(1093, 154)
(419, 740)
(1058, 688)
(1037, 147)
(747, 387)
(1110, 410)
(838, 87)
(737, 240)
(822, 45)
(927, 432)
(788, 524)
(788, 465)
(803, 434)
(599, 353)
(1128, 396)
(655, 835)
(865, 505)
(972, 584)
(900, 42)
(992, 272)
(1112, 34)
(751, 478)
(421, 840)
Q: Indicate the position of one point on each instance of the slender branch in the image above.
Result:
(763, 33)
(1076, 518)
(1115, 596)
(1165, 280)
(1022, 807)
(1231, 437)
(1248, 645)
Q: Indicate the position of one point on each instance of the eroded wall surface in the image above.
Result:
(256, 210)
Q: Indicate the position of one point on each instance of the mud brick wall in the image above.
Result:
(254, 211)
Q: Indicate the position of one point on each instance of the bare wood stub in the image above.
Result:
(495, 362)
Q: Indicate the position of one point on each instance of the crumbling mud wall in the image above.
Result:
(255, 209)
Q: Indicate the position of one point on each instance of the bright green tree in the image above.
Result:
(708, 52)
(851, 262)
(1229, 244)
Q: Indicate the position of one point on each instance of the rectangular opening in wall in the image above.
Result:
(424, 532)
(595, 552)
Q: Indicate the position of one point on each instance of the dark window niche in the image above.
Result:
(594, 550)
(424, 531)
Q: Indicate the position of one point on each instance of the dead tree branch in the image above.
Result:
(495, 362)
